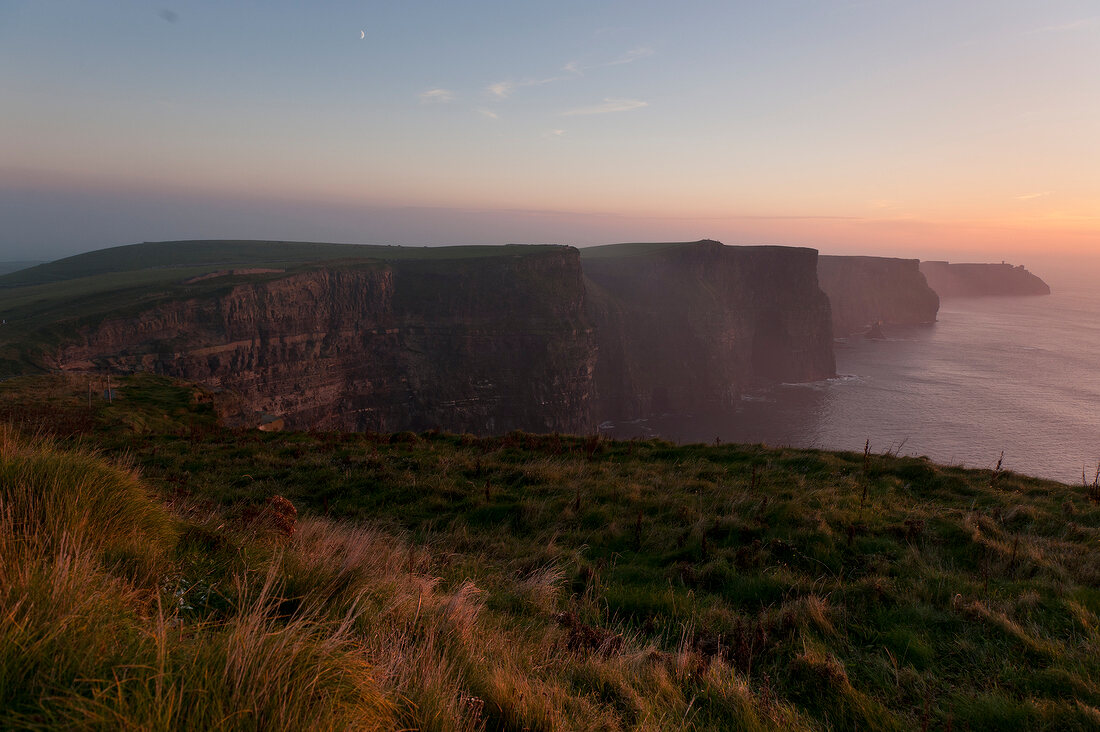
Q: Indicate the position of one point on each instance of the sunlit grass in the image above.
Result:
(528, 582)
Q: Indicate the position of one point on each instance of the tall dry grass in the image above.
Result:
(337, 626)
(450, 664)
(85, 641)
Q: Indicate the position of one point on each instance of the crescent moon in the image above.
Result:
(362, 35)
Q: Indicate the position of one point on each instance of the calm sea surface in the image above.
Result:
(1014, 374)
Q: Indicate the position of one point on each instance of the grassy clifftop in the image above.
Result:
(525, 582)
(212, 254)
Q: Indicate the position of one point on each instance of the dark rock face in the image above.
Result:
(975, 280)
(690, 326)
(478, 345)
(864, 291)
(485, 344)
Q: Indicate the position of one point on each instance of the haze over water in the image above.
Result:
(1016, 374)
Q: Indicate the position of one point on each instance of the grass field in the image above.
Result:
(213, 254)
(614, 251)
(530, 582)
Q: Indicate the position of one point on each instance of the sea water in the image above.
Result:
(1012, 375)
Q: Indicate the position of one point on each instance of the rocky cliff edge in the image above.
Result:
(690, 326)
(868, 291)
(977, 280)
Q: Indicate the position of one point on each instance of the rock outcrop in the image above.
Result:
(976, 280)
(486, 344)
(690, 326)
(864, 291)
(475, 339)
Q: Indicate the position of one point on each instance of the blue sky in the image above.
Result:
(918, 129)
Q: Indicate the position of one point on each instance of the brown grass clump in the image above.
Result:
(1030, 641)
(73, 498)
(87, 642)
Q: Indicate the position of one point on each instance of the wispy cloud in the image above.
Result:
(488, 113)
(504, 89)
(1072, 25)
(436, 96)
(1030, 196)
(555, 133)
(609, 105)
(631, 56)
(501, 89)
(576, 67)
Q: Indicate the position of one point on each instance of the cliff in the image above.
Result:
(465, 339)
(864, 291)
(975, 280)
(479, 344)
(689, 326)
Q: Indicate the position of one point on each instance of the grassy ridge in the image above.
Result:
(15, 266)
(638, 249)
(549, 582)
(210, 255)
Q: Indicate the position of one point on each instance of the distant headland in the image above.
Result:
(976, 280)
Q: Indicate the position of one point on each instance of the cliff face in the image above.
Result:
(483, 340)
(867, 290)
(975, 280)
(481, 345)
(689, 326)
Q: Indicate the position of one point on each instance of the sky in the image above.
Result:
(938, 130)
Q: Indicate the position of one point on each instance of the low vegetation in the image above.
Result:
(158, 571)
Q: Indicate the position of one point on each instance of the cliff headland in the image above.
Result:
(976, 280)
(689, 326)
(866, 291)
(472, 339)
(467, 339)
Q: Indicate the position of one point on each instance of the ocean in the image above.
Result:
(1018, 375)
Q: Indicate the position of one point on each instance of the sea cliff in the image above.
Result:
(485, 344)
(465, 339)
(864, 291)
(690, 326)
(975, 280)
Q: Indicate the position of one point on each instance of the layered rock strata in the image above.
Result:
(469, 345)
(483, 340)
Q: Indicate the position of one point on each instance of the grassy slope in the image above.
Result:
(15, 266)
(641, 249)
(220, 254)
(637, 249)
(553, 582)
